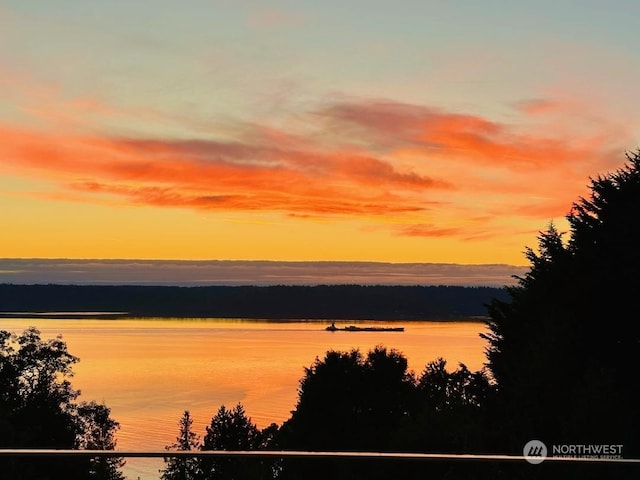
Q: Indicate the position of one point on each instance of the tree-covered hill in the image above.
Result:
(271, 302)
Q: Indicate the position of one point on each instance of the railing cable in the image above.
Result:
(301, 454)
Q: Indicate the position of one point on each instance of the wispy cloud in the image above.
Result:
(538, 106)
(421, 230)
(217, 175)
(367, 158)
(471, 139)
(277, 19)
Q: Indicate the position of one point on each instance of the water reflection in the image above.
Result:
(148, 371)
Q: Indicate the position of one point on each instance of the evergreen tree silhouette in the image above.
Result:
(565, 349)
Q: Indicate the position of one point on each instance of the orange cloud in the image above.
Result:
(469, 139)
(538, 106)
(216, 175)
(547, 209)
(422, 230)
(364, 159)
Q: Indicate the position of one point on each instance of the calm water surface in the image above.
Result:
(148, 371)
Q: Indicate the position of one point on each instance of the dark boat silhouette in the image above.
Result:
(354, 328)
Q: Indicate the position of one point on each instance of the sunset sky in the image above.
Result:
(360, 130)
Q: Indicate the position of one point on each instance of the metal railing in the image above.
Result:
(17, 452)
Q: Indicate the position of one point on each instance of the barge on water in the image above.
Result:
(354, 328)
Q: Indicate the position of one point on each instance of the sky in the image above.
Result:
(346, 131)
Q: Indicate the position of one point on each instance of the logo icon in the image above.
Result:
(534, 451)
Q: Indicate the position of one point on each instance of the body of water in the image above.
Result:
(148, 371)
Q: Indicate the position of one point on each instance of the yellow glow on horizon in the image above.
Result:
(72, 230)
(37, 228)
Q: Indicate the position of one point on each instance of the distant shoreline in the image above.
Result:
(127, 316)
(323, 302)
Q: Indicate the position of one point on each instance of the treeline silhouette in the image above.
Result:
(269, 302)
(349, 401)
